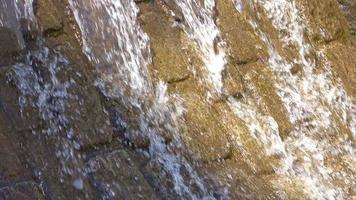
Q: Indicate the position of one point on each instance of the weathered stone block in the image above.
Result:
(9, 45)
(50, 17)
(23, 191)
(11, 167)
(116, 176)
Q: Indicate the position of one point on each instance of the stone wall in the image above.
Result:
(89, 157)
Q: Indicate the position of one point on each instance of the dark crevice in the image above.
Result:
(54, 32)
(178, 79)
(248, 61)
(353, 31)
(143, 1)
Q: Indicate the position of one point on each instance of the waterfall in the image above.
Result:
(114, 41)
(36, 77)
(310, 100)
(287, 18)
(74, 132)
(50, 96)
(20, 9)
(200, 26)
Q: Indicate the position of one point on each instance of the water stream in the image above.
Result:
(317, 105)
(115, 42)
(199, 25)
(311, 99)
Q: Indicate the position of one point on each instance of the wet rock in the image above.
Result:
(233, 81)
(349, 9)
(326, 20)
(296, 69)
(16, 117)
(169, 61)
(171, 5)
(9, 45)
(157, 176)
(243, 144)
(116, 175)
(218, 143)
(235, 178)
(23, 191)
(90, 122)
(342, 57)
(206, 136)
(89, 119)
(260, 77)
(142, 1)
(11, 167)
(136, 140)
(44, 156)
(49, 17)
(9, 20)
(244, 46)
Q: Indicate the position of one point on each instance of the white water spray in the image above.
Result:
(200, 26)
(310, 100)
(115, 42)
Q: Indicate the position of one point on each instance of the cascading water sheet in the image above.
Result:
(114, 41)
(313, 156)
(19, 9)
(200, 26)
(310, 100)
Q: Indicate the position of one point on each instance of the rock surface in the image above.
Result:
(63, 137)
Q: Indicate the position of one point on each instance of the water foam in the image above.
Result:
(114, 41)
(200, 26)
(128, 53)
(311, 99)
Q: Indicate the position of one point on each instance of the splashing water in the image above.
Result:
(174, 164)
(200, 27)
(316, 102)
(19, 9)
(36, 77)
(33, 85)
(238, 5)
(114, 41)
(310, 100)
(24, 9)
(287, 18)
(261, 126)
(50, 96)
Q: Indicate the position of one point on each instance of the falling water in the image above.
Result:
(200, 26)
(115, 42)
(19, 10)
(316, 102)
(286, 18)
(36, 77)
(262, 126)
(310, 100)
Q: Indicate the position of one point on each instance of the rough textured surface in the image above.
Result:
(92, 155)
(349, 8)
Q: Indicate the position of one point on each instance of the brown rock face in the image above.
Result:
(9, 45)
(24, 190)
(281, 127)
(118, 167)
(349, 7)
(10, 29)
